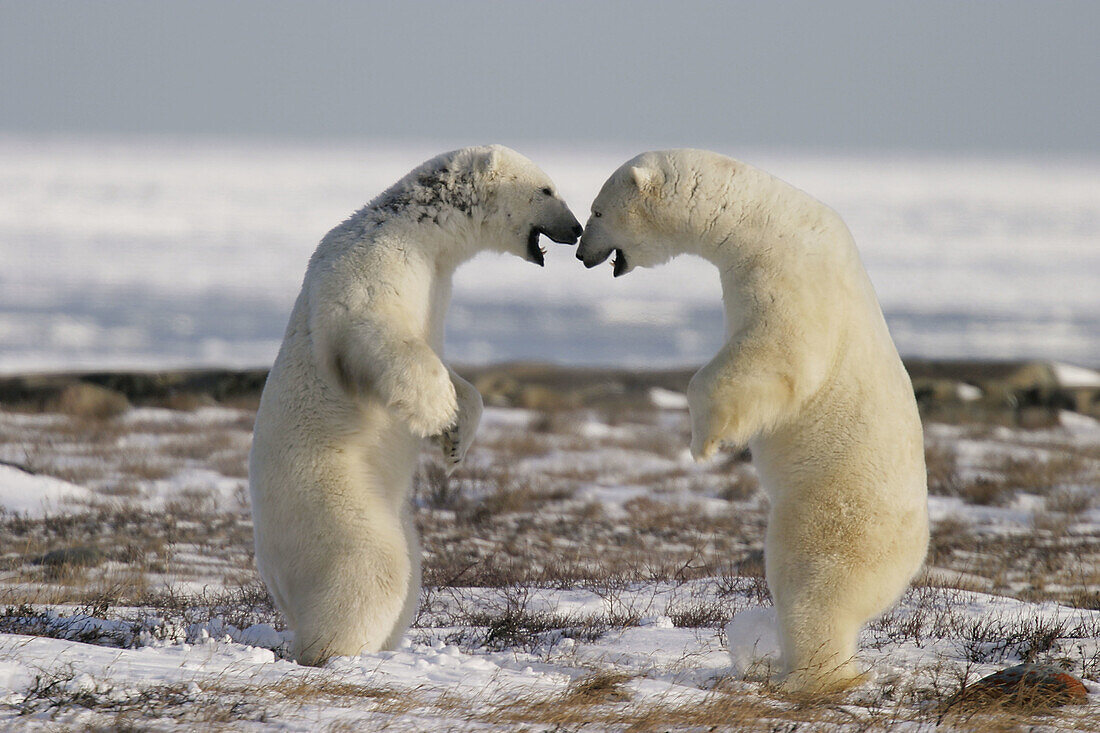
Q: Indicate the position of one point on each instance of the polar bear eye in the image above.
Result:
(597, 214)
(546, 192)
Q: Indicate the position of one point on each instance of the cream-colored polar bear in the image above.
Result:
(359, 382)
(809, 378)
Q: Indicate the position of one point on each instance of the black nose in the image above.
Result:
(577, 230)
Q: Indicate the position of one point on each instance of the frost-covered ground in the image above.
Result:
(581, 572)
(162, 253)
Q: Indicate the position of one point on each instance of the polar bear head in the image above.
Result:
(521, 204)
(655, 206)
(487, 198)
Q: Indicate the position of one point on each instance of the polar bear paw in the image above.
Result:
(706, 434)
(703, 448)
(453, 449)
(457, 438)
(426, 401)
(821, 682)
(706, 423)
(423, 420)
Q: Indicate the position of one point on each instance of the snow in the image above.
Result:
(968, 392)
(675, 663)
(666, 399)
(971, 257)
(200, 416)
(1076, 423)
(753, 639)
(448, 675)
(1070, 376)
(22, 492)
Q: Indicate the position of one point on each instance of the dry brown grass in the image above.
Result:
(497, 524)
(1071, 501)
(1065, 466)
(942, 465)
(986, 491)
(324, 689)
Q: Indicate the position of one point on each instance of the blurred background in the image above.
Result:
(166, 169)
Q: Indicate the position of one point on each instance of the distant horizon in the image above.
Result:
(608, 146)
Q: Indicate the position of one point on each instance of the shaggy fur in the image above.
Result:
(359, 382)
(809, 378)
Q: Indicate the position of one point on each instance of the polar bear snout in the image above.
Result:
(566, 231)
(593, 253)
(563, 229)
(562, 232)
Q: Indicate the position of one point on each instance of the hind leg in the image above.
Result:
(818, 646)
(820, 608)
(830, 572)
(353, 605)
(412, 593)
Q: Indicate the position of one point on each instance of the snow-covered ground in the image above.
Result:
(580, 569)
(160, 252)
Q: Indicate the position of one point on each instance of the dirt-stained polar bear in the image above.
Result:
(809, 378)
(359, 382)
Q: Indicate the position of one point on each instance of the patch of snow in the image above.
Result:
(667, 399)
(613, 460)
(659, 622)
(752, 637)
(210, 415)
(1075, 422)
(968, 392)
(1071, 376)
(264, 635)
(511, 417)
(598, 430)
(34, 495)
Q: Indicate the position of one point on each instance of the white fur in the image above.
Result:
(809, 378)
(359, 382)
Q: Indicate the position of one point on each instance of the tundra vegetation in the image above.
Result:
(580, 569)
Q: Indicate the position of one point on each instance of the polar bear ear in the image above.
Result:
(646, 178)
(489, 163)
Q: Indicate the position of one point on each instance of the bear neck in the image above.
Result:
(449, 245)
(745, 237)
(763, 258)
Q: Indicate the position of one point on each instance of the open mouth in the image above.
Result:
(535, 253)
(591, 262)
(619, 263)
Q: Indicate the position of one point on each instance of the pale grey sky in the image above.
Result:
(1009, 76)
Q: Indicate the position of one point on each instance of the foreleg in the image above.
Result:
(457, 438)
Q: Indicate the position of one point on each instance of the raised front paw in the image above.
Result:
(710, 428)
(707, 424)
(453, 450)
(704, 442)
(457, 438)
(426, 400)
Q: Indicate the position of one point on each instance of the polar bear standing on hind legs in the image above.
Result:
(358, 383)
(809, 378)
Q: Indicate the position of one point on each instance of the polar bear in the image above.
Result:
(808, 378)
(359, 381)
